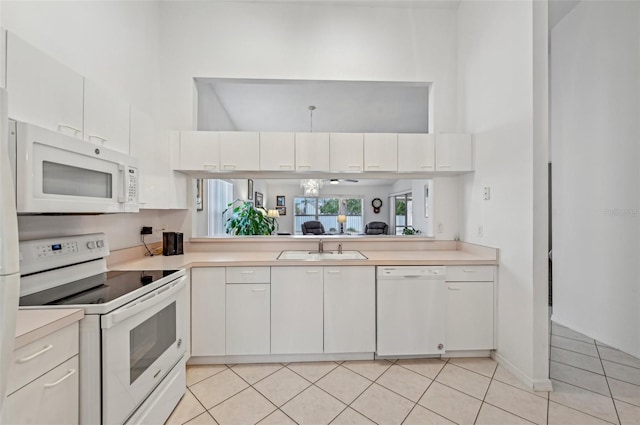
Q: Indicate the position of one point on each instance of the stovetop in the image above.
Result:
(102, 292)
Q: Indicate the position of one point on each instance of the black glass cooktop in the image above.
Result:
(98, 289)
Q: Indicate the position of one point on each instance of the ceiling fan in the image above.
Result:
(336, 181)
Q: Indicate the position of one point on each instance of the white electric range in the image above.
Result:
(133, 335)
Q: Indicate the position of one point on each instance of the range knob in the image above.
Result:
(91, 244)
(100, 243)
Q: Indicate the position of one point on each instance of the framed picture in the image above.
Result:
(259, 203)
(249, 189)
(280, 201)
(281, 210)
(199, 195)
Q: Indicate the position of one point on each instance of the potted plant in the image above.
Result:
(245, 219)
(409, 230)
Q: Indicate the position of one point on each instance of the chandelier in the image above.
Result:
(311, 186)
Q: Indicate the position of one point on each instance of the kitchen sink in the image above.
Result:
(319, 256)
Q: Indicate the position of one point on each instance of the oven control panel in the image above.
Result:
(45, 254)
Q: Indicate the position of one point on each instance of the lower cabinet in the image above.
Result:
(296, 310)
(470, 308)
(349, 309)
(247, 323)
(208, 301)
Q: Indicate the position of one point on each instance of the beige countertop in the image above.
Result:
(269, 258)
(32, 325)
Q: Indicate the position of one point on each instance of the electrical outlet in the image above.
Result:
(480, 231)
(486, 193)
(440, 228)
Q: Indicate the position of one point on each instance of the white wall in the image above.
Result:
(497, 105)
(305, 41)
(115, 44)
(595, 103)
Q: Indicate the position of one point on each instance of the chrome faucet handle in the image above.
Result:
(320, 246)
(340, 248)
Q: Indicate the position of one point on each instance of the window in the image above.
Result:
(402, 211)
(326, 210)
(219, 195)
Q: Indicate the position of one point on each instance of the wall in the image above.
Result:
(115, 44)
(305, 41)
(495, 62)
(595, 100)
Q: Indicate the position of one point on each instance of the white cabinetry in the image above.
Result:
(43, 381)
(277, 151)
(42, 91)
(416, 152)
(346, 152)
(200, 150)
(349, 309)
(106, 118)
(296, 310)
(380, 151)
(239, 151)
(208, 311)
(151, 147)
(312, 151)
(454, 152)
(470, 309)
(247, 316)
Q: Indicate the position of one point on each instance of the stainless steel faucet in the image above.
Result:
(320, 246)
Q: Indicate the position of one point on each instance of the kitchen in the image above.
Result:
(439, 45)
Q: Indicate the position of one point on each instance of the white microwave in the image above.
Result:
(56, 173)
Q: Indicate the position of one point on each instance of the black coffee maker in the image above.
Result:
(172, 243)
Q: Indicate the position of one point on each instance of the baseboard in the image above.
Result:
(534, 384)
(278, 358)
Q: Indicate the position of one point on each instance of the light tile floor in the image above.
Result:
(593, 384)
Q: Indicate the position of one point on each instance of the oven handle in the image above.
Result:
(149, 300)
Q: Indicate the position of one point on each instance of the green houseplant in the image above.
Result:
(246, 219)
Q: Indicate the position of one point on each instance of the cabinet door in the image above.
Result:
(200, 150)
(469, 316)
(380, 152)
(349, 309)
(454, 152)
(239, 151)
(296, 310)
(312, 151)
(416, 152)
(208, 311)
(277, 151)
(41, 90)
(346, 151)
(106, 118)
(152, 150)
(247, 318)
(53, 398)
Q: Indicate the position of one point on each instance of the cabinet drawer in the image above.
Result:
(248, 274)
(35, 359)
(469, 273)
(50, 399)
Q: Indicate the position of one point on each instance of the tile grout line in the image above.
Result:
(204, 379)
(485, 394)
(425, 391)
(577, 367)
(606, 378)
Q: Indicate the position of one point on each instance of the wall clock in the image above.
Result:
(376, 204)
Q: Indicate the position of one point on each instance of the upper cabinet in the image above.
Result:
(416, 152)
(106, 118)
(345, 152)
(41, 90)
(200, 150)
(277, 151)
(151, 147)
(312, 151)
(454, 152)
(380, 152)
(239, 151)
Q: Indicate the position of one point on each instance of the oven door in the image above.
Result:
(141, 342)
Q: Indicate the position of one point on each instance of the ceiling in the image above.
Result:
(340, 106)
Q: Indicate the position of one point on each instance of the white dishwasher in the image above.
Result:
(411, 310)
